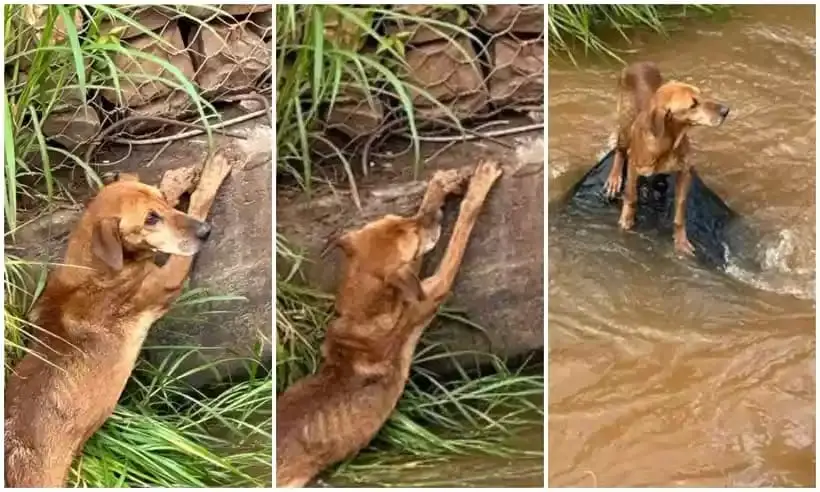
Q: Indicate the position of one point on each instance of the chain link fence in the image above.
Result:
(461, 66)
(224, 52)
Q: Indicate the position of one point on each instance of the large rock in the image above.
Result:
(212, 11)
(356, 114)
(450, 72)
(229, 58)
(137, 89)
(513, 18)
(172, 106)
(517, 74)
(73, 127)
(149, 18)
(500, 284)
(416, 33)
(237, 9)
(262, 24)
(235, 261)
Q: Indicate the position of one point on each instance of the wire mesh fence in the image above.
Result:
(162, 61)
(462, 67)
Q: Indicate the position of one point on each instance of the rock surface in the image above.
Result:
(418, 33)
(355, 114)
(151, 18)
(138, 90)
(171, 106)
(235, 261)
(450, 72)
(73, 127)
(229, 58)
(518, 71)
(500, 284)
(515, 18)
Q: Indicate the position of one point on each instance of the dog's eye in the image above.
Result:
(152, 218)
(694, 104)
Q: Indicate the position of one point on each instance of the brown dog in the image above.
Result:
(95, 312)
(653, 121)
(382, 309)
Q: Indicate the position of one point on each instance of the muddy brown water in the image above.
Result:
(662, 372)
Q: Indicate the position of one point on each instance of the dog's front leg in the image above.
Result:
(682, 185)
(440, 284)
(630, 201)
(614, 181)
(173, 274)
(442, 184)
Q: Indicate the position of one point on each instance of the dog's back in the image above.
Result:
(636, 85)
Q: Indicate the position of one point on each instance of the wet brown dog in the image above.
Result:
(382, 309)
(653, 121)
(95, 311)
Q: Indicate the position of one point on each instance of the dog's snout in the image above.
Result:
(724, 111)
(203, 230)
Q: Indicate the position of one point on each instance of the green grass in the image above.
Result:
(314, 71)
(585, 27)
(164, 432)
(467, 416)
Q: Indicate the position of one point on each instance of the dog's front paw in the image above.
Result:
(682, 244)
(487, 172)
(216, 169)
(483, 179)
(177, 182)
(612, 186)
(627, 220)
(451, 181)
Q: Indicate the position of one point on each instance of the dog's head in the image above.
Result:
(683, 104)
(391, 249)
(128, 216)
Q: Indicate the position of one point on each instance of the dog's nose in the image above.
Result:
(724, 111)
(203, 230)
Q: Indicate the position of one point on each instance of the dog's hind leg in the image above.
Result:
(439, 285)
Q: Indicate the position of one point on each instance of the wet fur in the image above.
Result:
(382, 309)
(95, 312)
(653, 122)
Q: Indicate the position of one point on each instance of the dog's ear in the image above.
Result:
(343, 241)
(106, 244)
(408, 284)
(657, 122)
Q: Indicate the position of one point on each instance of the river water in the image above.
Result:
(663, 372)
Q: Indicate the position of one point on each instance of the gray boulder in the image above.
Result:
(501, 282)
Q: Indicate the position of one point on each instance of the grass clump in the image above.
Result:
(470, 416)
(326, 53)
(165, 432)
(583, 26)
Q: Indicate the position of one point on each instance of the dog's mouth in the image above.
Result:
(721, 112)
(188, 243)
(183, 247)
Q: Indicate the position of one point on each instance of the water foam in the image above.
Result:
(777, 270)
